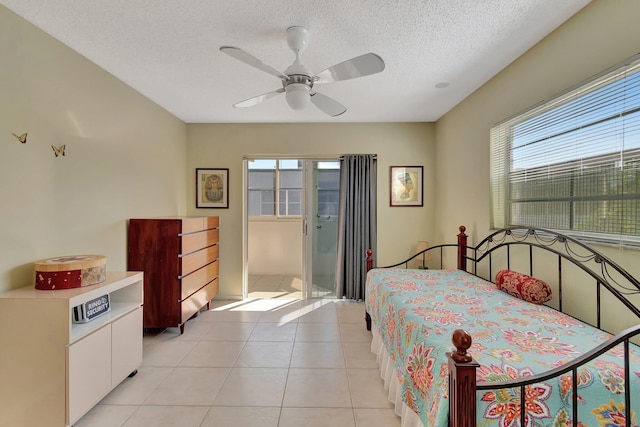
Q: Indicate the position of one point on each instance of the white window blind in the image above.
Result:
(573, 163)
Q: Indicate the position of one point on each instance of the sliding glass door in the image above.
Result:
(322, 187)
(291, 221)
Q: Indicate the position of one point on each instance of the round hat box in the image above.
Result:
(72, 271)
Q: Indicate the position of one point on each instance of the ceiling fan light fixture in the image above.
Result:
(298, 83)
(297, 95)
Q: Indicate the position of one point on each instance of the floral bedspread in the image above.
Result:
(417, 311)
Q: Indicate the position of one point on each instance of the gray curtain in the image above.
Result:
(356, 223)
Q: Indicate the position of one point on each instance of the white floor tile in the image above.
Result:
(135, 390)
(318, 332)
(367, 389)
(319, 314)
(193, 331)
(359, 355)
(227, 331)
(107, 416)
(376, 418)
(189, 386)
(349, 312)
(319, 388)
(213, 354)
(253, 387)
(317, 417)
(166, 353)
(317, 355)
(265, 354)
(281, 316)
(354, 332)
(167, 416)
(234, 315)
(274, 332)
(220, 416)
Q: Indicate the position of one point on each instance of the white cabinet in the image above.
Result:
(125, 358)
(89, 371)
(53, 370)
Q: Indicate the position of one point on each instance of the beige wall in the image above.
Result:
(224, 145)
(125, 156)
(600, 36)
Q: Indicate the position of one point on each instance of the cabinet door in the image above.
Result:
(89, 367)
(126, 345)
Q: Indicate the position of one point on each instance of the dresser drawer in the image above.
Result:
(195, 241)
(212, 222)
(191, 225)
(195, 260)
(196, 301)
(198, 279)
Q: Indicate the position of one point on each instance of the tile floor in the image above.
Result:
(274, 286)
(262, 362)
(285, 286)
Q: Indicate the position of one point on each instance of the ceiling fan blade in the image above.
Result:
(360, 66)
(249, 59)
(258, 99)
(329, 105)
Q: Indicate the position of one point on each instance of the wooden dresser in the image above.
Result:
(179, 257)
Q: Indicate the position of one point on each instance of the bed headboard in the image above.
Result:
(606, 275)
(496, 251)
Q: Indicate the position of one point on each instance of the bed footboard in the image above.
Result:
(463, 388)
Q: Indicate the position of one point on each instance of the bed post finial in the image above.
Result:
(462, 341)
(462, 248)
(462, 382)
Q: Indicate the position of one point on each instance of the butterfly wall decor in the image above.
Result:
(22, 138)
(58, 151)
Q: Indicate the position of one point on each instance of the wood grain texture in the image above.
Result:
(179, 258)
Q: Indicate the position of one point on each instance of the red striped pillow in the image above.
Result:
(522, 286)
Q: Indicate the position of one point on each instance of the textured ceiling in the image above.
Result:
(168, 50)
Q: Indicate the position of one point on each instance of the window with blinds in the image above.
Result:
(573, 163)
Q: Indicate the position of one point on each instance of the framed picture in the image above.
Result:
(212, 188)
(405, 186)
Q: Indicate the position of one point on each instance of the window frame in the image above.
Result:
(276, 190)
(502, 169)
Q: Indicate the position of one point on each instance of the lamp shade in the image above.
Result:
(297, 95)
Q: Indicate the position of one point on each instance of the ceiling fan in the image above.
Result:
(298, 83)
